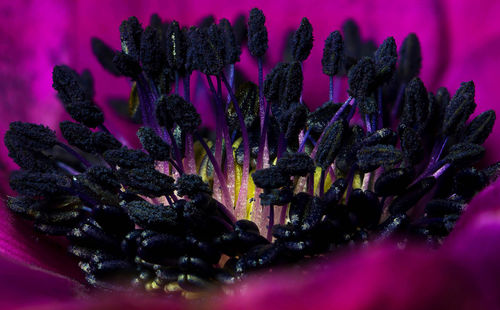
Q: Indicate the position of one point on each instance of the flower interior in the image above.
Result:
(274, 184)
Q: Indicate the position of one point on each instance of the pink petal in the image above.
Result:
(20, 243)
(374, 278)
(116, 302)
(477, 248)
(22, 285)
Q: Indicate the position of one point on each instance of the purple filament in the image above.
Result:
(222, 180)
(242, 196)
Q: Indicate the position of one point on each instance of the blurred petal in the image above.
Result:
(22, 285)
(19, 242)
(374, 278)
(477, 249)
(34, 38)
(116, 302)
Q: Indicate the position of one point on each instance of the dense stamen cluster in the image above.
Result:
(278, 185)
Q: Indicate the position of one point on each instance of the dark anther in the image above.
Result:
(153, 144)
(130, 37)
(104, 54)
(113, 219)
(366, 207)
(410, 58)
(464, 153)
(194, 56)
(442, 99)
(151, 216)
(302, 41)
(469, 181)
(78, 135)
(26, 207)
(239, 242)
(212, 48)
(298, 206)
(89, 233)
(75, 97)
(296, 164)
(293, 83)
(190, 185)
(147, 181)
(381, 136)
(415, 109)
(459, 109)
(85, 112)
(278, 197)
(411, 196)
(385, 58)
(192, 283)
(127, 158)
(330, 144)
(247, 226)
(333, 54)
(269, 178)
(362, 79)
(105, 177)
(442, 207)
(411, 144)
(51, 230)
(372, 157)
(152, 51)
(29, 160)
(275, 81)
(68, 85)
(291, 122)
(232, 49)
(174, 109)
(103, 141)
(196, 265)
(36, 184)
(368, 105)
(313, 214)
(319, 118)
(347, 155)
(480, 128)
(335, 192)
(161, 248)
(176, 46)
(29, 136)
(394, 181)
(257, 33)
(393, 225)
(202, 249)
(127, 65)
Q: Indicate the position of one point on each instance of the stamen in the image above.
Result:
(152, 220)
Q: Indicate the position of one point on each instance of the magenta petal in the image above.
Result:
(374, 278)
(22, 285)
(20, 243)
(477, 249)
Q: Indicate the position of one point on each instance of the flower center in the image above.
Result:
(274, 184)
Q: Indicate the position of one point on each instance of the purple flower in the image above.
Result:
(461, 274)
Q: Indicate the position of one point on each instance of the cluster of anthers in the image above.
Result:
(276, 185)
